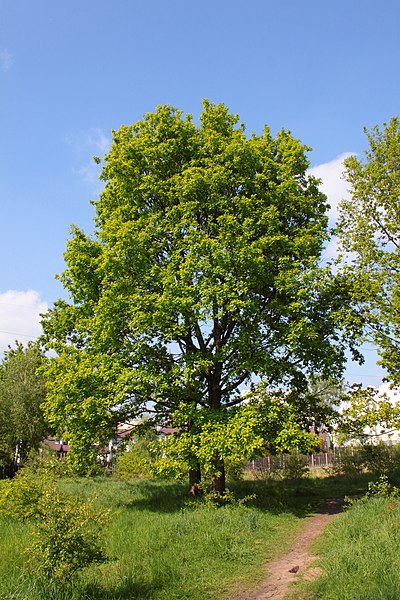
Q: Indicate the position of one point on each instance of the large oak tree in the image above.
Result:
(202, 273)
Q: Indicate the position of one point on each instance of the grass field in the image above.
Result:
(360, 554)
(161, 545)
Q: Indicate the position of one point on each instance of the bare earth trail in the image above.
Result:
(284, 570)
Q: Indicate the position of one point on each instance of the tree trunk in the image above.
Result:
(195, 488)
(218, 483)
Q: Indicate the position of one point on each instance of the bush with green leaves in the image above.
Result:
(346, 462)
(137, 461)
(67, 537)
(234, 469)
(20, 497)
(373, 458)
(295, 466)
(382, 488)
(377, 458)
(66, 530)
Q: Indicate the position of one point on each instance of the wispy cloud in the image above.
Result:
(20, 317)
(98, 140)
(6, 60)
(333, 183)
(93, 141)
(87, 144)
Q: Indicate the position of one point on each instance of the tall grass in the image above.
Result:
(360, 554)
(161, 546)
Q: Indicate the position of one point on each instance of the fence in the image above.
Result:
(275, 463)
(369, 456)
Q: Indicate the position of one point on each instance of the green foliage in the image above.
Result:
(359, 553)
(22, 391)
(137, 462)
(364, 410)
(214, 499)
(369, 233)
(295, 467)
(379, 458)
(203, 271)
(266, 423)
(67, 537)
(346, 463)
(133, 464)
(46, 462)
(65, 529)
(86, 383)
(234, 469)
(382, 488)
(20, 497)
(371, 458)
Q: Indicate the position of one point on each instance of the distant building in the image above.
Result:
(378, 433)
(58, 446)
(381, 434)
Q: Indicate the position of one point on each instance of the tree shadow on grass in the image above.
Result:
(275, 497)
(157, 496)
(300, 497)
(128, 588)
(52, 589)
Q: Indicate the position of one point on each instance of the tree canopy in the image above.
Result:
(22, 391)
(202, 272)
(369, 235)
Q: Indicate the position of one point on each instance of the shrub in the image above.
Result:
(382, 488)
(346, 462)
(20, 497)
(66, 530)
(67, 538)
(234, 469)
(138, 461)
(295, 466)
(135, 463)
(376, 458)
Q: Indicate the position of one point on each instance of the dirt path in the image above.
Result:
(284, 570)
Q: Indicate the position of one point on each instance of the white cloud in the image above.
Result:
(6, 60)
(20, 317)
(98, 140)
(333, 184)
(93, 142)
(89, 173)
(336, 189)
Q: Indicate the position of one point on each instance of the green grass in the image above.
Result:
(360, 555)
(163, 545)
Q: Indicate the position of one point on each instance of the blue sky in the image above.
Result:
(70, 72)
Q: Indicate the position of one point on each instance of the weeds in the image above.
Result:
(214, 499)
(162, 544)
(64, 529)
